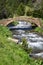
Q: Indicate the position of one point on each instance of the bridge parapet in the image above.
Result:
(36, 21)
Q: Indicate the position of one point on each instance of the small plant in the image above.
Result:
(15, 22)
(25, 46)
(39, 30)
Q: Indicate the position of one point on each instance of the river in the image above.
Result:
(34, 40)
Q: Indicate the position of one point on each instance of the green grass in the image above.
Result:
(11, 54)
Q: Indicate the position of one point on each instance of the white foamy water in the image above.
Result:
(21, 24)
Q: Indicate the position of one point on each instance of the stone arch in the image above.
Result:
(22, 18)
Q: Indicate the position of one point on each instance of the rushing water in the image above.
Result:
(34, 41)
(22, 25)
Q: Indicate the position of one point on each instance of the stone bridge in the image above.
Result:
(36, 21)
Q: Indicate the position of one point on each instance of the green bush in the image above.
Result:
(21, 10)
(8, 8)
(25, 46)
(38, 13)
(29, 11)
(30, 3)
(5, 11)
(39, 30)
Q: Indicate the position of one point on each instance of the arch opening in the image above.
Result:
(33, 25)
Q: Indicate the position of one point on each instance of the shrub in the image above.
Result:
(38, 13)
(25, 46)
(21, 10)
(30, 3)
(39, 30)
(29, 11)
